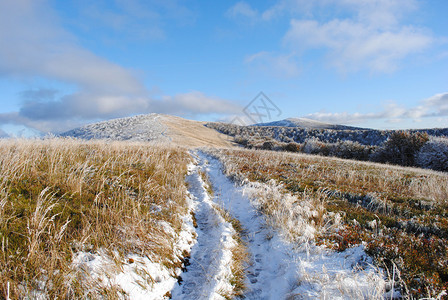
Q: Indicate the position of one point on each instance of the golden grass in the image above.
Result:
(62, 196)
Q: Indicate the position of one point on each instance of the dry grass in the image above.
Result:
(192, 134)
(62, 196)
(399, 213)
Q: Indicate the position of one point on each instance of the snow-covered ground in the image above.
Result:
(138, 276)
(278, 270)
(209, 272)
(137, 128)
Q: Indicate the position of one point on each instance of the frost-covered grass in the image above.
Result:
(399, 214)
(137, 128)
(76, 216)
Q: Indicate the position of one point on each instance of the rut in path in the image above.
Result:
(272, 270)
(207, 275)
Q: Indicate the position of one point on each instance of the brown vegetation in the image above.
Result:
(61, 196)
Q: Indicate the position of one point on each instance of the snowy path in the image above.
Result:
(273, 269)
(207, 275)
(276, 270)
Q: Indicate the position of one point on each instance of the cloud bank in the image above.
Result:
(371, 35)
(435, 106)
(35, 45)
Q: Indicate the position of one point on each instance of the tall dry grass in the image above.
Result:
(62, 196)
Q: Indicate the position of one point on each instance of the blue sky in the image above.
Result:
(371, 63)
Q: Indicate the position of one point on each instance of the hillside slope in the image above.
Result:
(190, 133)
(306, 124)
(154, 128)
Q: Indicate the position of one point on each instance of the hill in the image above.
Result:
(145, 220)
(154, 128)
(306, 124)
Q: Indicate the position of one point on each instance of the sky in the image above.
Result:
(369, 63)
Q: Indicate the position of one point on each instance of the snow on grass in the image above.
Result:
(137, 276)
(138, 128)
(209, 273)
(280, 269)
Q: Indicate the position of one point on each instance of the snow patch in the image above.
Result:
(137, 128)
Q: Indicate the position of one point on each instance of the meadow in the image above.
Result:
(63, 200)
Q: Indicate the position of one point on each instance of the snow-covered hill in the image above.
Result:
(137, 128)
(153, 127)
(306, 124)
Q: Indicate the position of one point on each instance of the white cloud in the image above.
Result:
(34, 45)
(353, 45)
(242, 9)
(435, 106)
(70, 111)
(373, 35)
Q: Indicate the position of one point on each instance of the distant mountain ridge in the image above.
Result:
(307, 124)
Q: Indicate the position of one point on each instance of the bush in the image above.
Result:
(401, 148)
(241, 140)
(292, 147)
(315, 146)
(434, 154)
(350, 150)
(268, 146)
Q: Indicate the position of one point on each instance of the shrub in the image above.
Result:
(268, 145)
(401, 148)
(241, 140)
(315, 146)
(434, 154)
(292, 147)
(350, 150)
